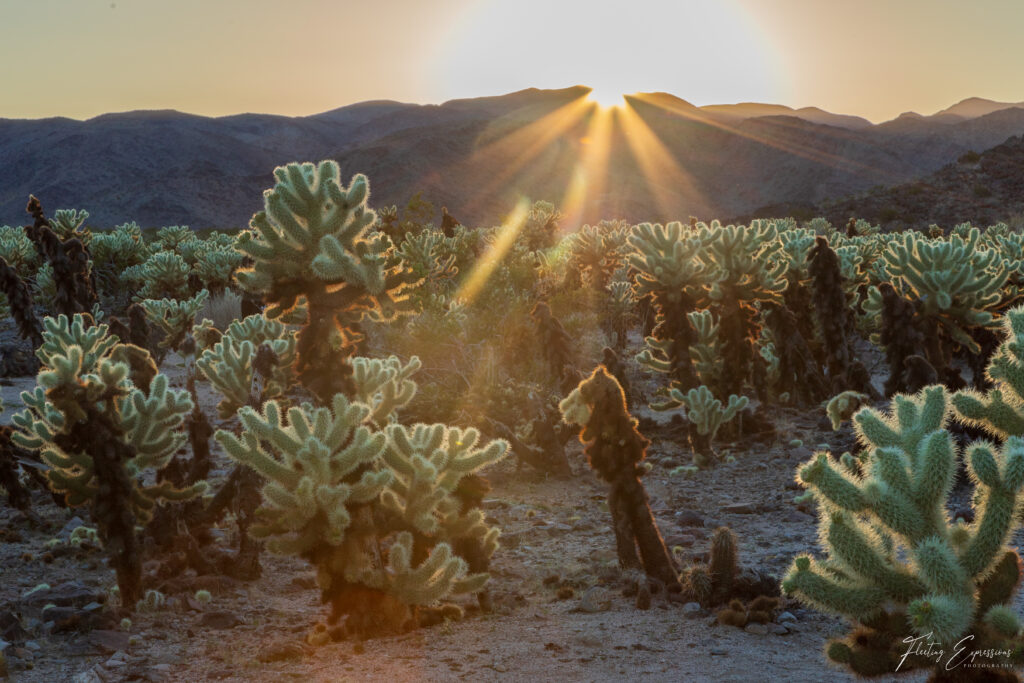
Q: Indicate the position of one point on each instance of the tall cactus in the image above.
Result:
(100, 433)
(895, 564)
(314, 245)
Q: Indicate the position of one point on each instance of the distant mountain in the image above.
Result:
(982, 189)
(974, 107)
(666, 159)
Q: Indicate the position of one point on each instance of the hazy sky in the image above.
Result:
(874, 58)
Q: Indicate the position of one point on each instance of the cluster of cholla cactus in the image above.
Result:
(387, 514)
(940, 292)
(896, 564)
(100, 433)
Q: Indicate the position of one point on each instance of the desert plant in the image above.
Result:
(314, 243)
(164, 276)
(615, 449)
(895, 564)
(668, 272)
(100, 434)
(705, 414)
(378, 513)
(229, 364)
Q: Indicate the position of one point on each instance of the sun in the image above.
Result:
(606, 97)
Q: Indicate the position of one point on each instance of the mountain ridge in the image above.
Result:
(477, 156)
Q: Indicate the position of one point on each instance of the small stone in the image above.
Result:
(681, 540)
(281, 652)
(65, 533)
(777, 629)
(11, 628)
(220, 620)
(89, 676)
(692, 610)
(67, 594)
(739, 509)
(719, 652)
(557, 529)
(303, 582)
(756, 629)
(784, 617)
(591, 640)
(686, 518)
(32, 645)
(109, 641)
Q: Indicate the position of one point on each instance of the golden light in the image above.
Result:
(518, 148)
(507, 234)
(590, 174)
(607, 98)
(663, 175)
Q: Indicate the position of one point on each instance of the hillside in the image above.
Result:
(981, 189)
(477, 156)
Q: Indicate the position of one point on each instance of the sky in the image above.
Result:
(872, 58)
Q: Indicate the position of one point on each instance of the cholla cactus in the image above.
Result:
(957, 285)
(706, 350)
(706, 415)
(172, 237)
(114, 253)
(376, 512)
(1000, 411)
(742, 270)
(430, 255)
(895, 563)
(174, 317)
(164, 276)
(215, 266)
(384, 385)
(614, 450)
(314, 242)
(100, 433)
(67, 223)
(595, 251)
(671, 274)
(229, 363)
(19, 252)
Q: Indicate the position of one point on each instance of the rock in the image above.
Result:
(281, 651)
(682, 540)
(89, 676)
(557, 529)
(740, 509)
(686, 518)
(756, 629)
(303, 582)
(67, 594)
(591, 640)
(784, 617)
(692, 610)
(118, 660)
(803, 452)
(719, 652)
(19, 653)
(220, 620)
(11, 628)
(796, 517)
(3, 645)
(777, 629)
(109, 641)
(65, 533)
(512, 540)
(33, 645)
